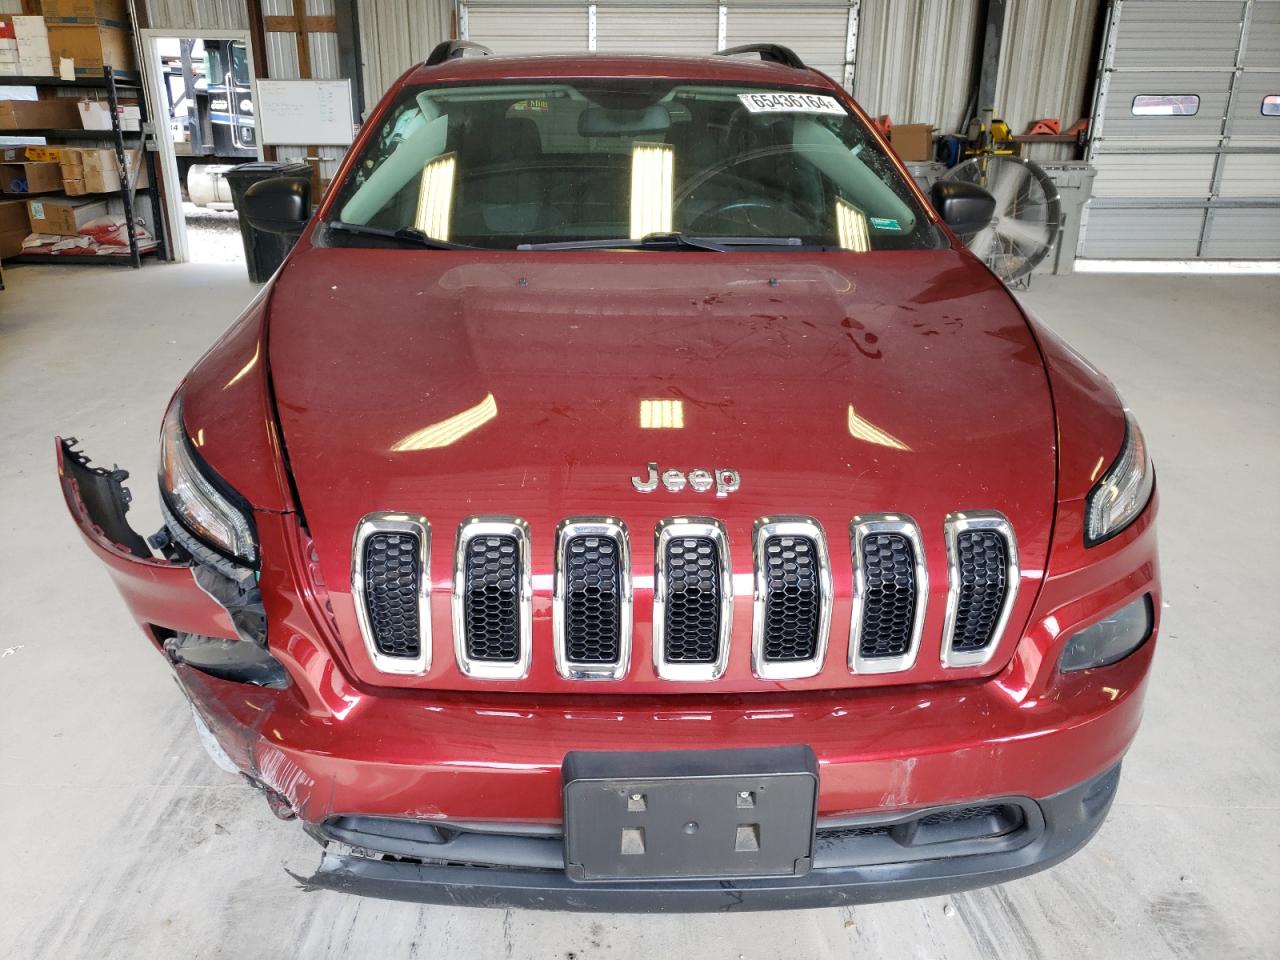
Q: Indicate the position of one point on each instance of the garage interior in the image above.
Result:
(123, 839)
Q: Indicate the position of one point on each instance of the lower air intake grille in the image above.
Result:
(592, 607)
(491, 599)
(888, 608)
(691, 621)
(391, 575)
(793, 598)
(983, 562)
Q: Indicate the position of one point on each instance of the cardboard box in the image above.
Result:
(35, 67)
(13, 216)
(51, 114)
(92, 46)
(63, 216)
(39, 154)
(74, 188)
(28, 28)
(94, 114)
(29, 177)
(912, 141)
(117, 10)
(101, 170)
(130, 116)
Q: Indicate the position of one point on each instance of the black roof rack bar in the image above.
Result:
(769, 52)
(452, 50)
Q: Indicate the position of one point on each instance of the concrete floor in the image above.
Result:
(121, 839)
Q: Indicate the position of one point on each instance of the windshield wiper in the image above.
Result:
(404, 235)
(660, 240)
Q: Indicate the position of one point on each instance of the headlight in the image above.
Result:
(193, 495)
(1110, 639)
(1118, 498)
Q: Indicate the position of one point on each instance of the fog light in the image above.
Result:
(1110, 639)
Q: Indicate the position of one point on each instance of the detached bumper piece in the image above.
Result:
(923, 853)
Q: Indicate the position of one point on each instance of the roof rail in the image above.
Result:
(769, 52)
(453, 50)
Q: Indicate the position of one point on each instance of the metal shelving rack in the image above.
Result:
(116, 136)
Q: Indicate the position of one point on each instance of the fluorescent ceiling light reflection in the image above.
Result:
(661, 414)
(449, 431)
(651, 186)
(851, 227)
(435, 196)
(861, 429)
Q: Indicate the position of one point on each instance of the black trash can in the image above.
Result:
(263, 252)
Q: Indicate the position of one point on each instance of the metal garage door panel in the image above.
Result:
(1139, 233)
(1251, 175)
(689, 29)
(1244, 233)
(817, 30)
(1183, 175)
(514, 27)
(1247, 120)
(1211, 88)
(1191, 34)
(1263, 50)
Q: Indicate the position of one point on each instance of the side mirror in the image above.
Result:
(279, 205)
(964, 207)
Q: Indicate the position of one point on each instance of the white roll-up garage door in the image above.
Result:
(821, 32)
(1186, 132)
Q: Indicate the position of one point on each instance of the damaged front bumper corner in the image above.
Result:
(195, 614)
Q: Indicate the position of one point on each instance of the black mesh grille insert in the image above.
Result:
(592, 608)
(391, 575)
(961, 814)
(793, 598)
(888, 608)
(691, 623)
(983, 561)
(492, 598)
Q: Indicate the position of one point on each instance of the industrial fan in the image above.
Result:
(1027, 218)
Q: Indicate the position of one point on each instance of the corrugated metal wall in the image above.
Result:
(396, 34)
(915, 59)
(197, 14)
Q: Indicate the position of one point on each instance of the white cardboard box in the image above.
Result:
(28, 27)
(95, 114)
(30, 67)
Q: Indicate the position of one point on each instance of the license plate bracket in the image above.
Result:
(689, 814)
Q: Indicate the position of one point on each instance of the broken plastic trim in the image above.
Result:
(105, 497)
(106, 500)
(239, 661)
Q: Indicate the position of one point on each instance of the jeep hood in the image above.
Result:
(455, 384)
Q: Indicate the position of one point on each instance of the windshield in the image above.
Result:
(532, 163)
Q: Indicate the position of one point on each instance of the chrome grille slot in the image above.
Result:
(891, 583)
(492, 598)
(692, 600)
(391, 588)
(982, 567)
(592, 599)
(792, 598)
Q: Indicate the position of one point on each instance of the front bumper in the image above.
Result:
(1058, 826)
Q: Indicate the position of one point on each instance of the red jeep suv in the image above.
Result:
(630, 495)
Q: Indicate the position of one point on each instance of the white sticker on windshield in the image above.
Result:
(790, 103)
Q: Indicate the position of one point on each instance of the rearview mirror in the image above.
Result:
(279, 205)
(598, 121)
(964, 207)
